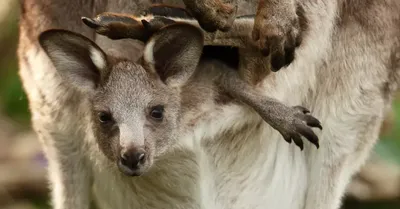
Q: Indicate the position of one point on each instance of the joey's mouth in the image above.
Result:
(129, 171)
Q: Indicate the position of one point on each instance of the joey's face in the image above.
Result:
(135, 108)
(135, 117)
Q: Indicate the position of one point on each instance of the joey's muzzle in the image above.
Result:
(131, 161)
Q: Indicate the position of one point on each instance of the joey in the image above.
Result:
(291, 122)
(346, 73)
(135, 108)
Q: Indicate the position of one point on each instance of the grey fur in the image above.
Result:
(346, 72)
(291, 122)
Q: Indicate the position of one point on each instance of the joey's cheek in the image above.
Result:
(161, 147)
(108, 141)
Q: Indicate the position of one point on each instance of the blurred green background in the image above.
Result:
(19, 148)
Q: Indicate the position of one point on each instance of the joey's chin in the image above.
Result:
(130, 171)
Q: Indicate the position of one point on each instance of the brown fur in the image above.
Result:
(346, 74)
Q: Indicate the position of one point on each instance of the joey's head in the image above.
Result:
(135, 106)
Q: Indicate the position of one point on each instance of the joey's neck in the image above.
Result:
(201, 97)
(172, 181)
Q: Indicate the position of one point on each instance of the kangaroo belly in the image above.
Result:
(252, 168)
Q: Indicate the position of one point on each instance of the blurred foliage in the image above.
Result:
(389, 146)
(13, 103)
(12, 97)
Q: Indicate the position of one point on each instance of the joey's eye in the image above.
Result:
(157, 112)
(105, 117)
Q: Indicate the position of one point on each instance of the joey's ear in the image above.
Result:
(78, 60)
(173, 52)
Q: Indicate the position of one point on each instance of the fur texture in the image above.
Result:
(346, 72)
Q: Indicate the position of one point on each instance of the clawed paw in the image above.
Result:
(294, 122)
(301, 126)
(120, 26)
(116, 26)
(277, 33)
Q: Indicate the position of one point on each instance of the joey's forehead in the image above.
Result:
(130, 85)
(130, 78)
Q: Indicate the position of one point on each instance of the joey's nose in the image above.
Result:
(131, 161)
